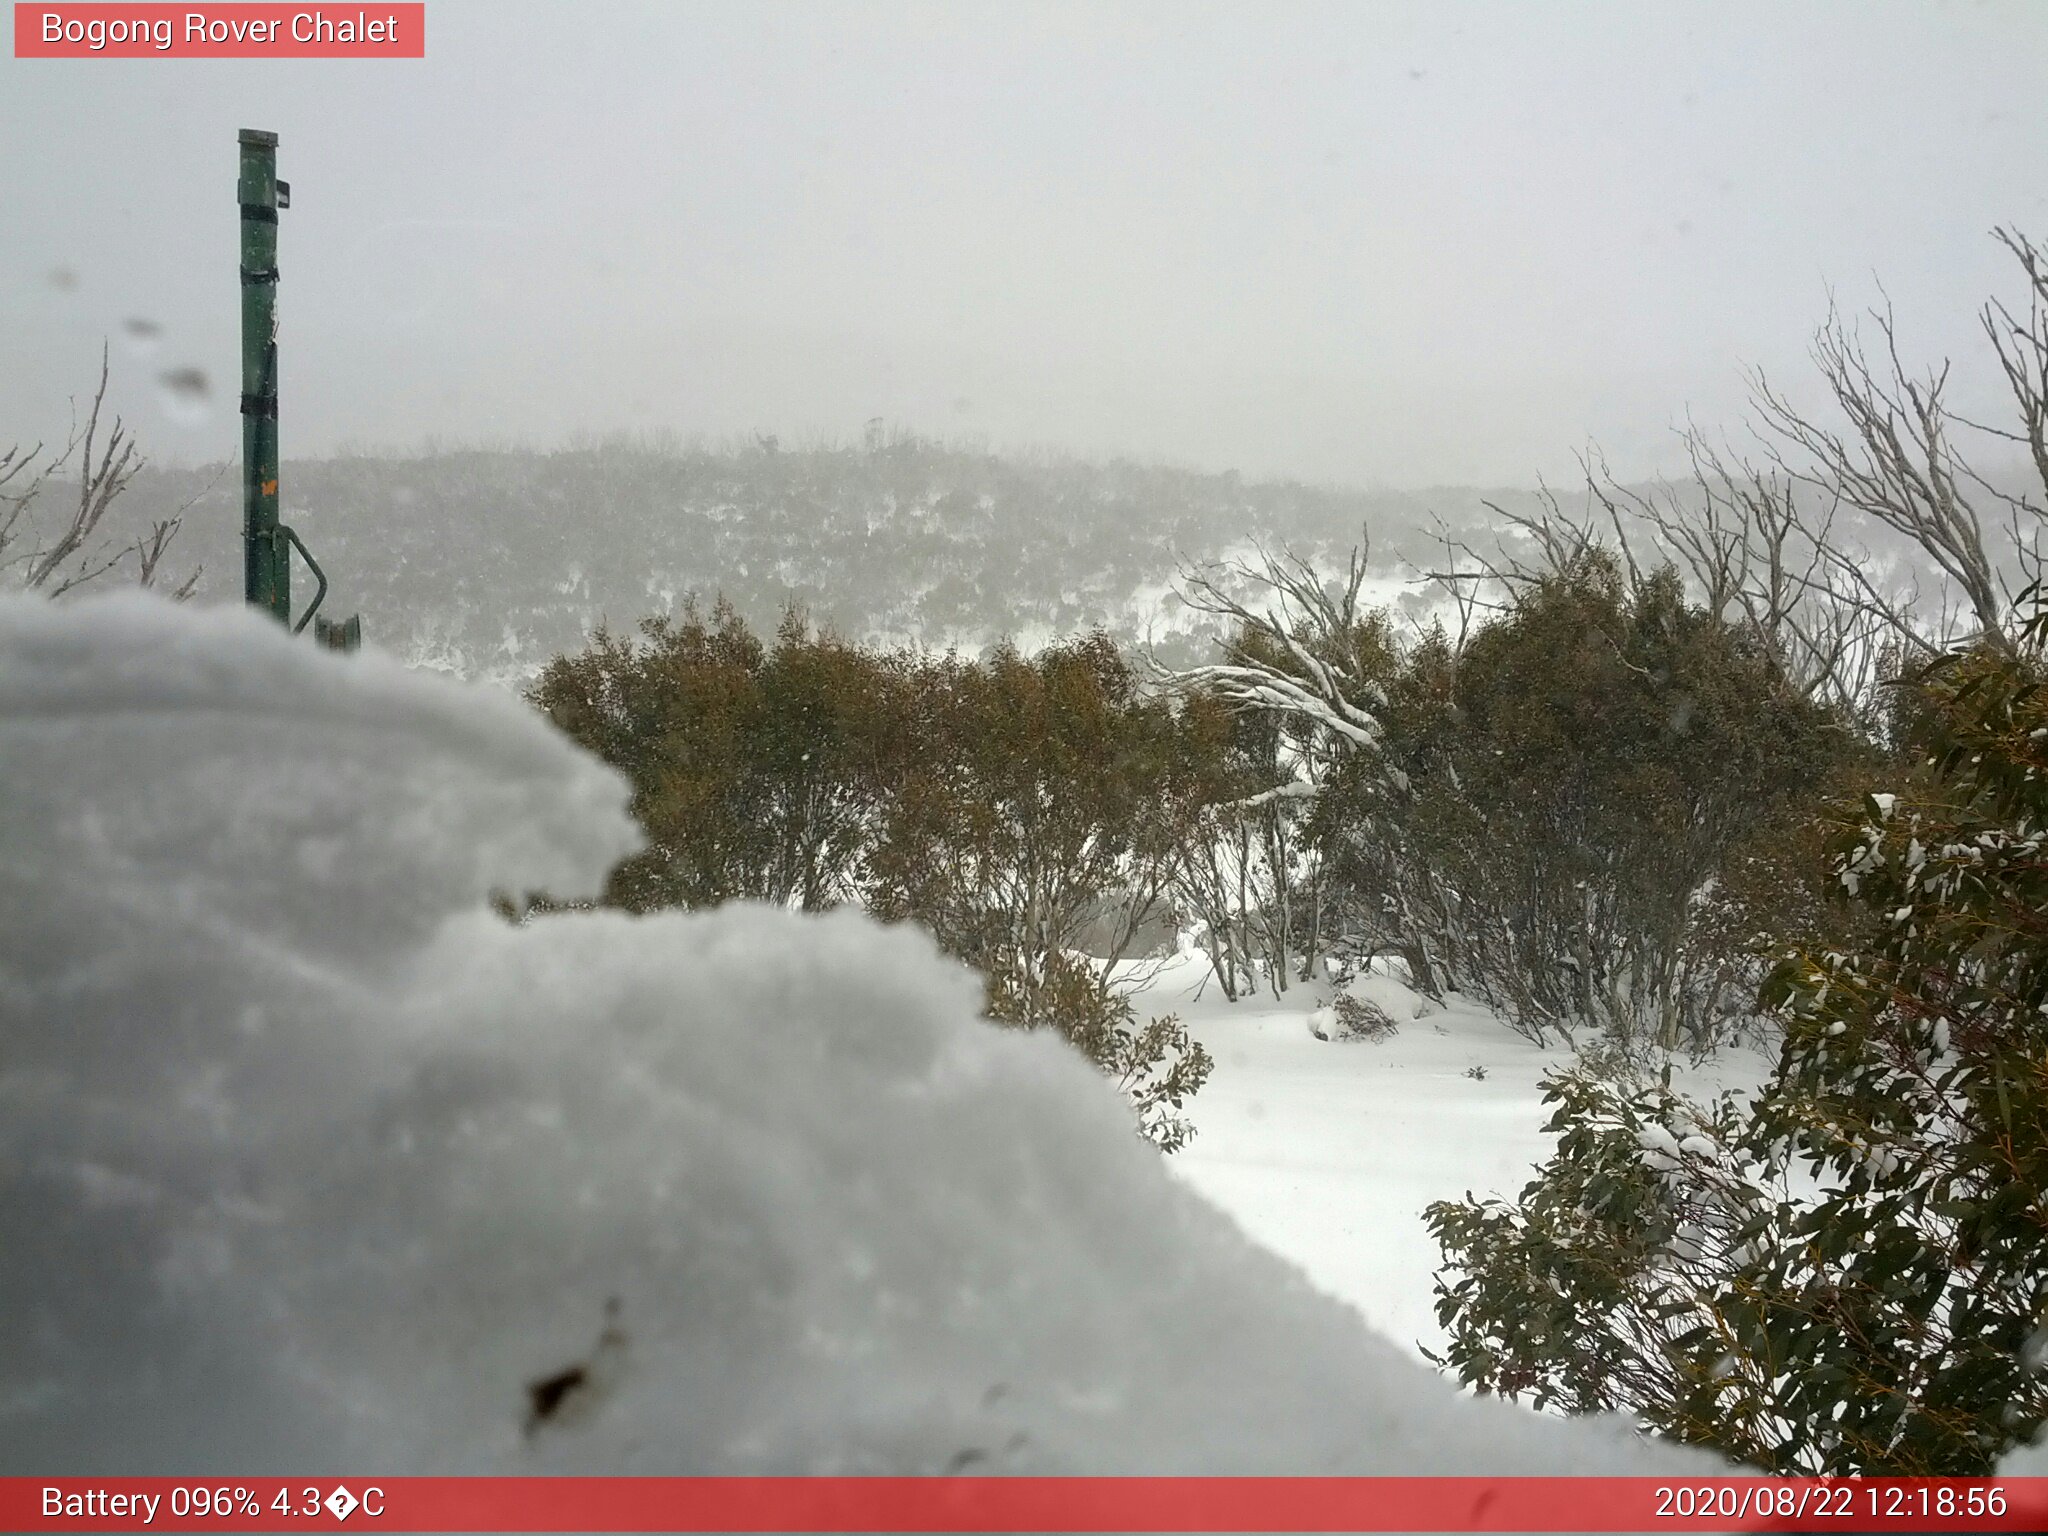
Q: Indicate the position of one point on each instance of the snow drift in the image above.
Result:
(311, 1163)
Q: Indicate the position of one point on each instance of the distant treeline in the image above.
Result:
(488, 562)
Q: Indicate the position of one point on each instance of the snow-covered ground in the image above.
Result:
(1328, 1151)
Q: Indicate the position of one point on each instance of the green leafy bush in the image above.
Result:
(1849, 1274)
(1157, 1064)
(757, 770)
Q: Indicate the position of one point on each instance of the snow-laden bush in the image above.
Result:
(1368, 1005)
(310, 1162)
(1577, 810)
(1391, 995)
(1573, 813)
(1352, 1018)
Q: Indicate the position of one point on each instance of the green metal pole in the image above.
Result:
(266, 557)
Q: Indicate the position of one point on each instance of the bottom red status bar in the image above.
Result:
(972, 1504)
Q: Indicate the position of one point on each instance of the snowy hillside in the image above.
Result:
(329, 1167)
(485, 564)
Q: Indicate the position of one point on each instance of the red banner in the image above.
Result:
(114, 31)
(1138, 1504)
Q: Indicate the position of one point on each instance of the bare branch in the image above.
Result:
(1897, 463)
(2022, 349)
(80, 552)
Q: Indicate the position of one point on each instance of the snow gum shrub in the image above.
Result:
(1040, 788)
(1003, 804)
(1241, 880)
(1255, 878)
(1591, 799)
(756, 770)
(1157, 1065)
(1850, 1274)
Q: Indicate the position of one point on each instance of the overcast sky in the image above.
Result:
(1388, 244)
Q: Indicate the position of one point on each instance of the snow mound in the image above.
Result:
(1394, 998)
(311, 1163)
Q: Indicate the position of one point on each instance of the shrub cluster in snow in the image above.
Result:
(1369, 1007)
(312, 1163)
(1841, 1274)
(1350, 1018)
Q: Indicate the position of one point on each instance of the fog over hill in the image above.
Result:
(487, 563)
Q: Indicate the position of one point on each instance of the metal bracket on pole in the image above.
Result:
(288, 533)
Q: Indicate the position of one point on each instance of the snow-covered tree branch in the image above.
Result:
(1289, 646)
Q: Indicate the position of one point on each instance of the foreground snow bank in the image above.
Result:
(311, 1164)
